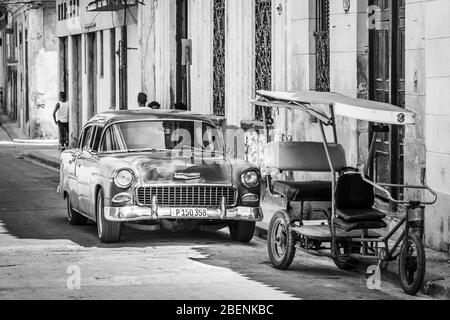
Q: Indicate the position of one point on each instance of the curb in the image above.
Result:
(50, 163)
(6, 131)
(431, 287)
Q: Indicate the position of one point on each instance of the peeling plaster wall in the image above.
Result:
(42, 72)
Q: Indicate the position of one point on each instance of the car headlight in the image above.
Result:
(250, 178)
(124, 178)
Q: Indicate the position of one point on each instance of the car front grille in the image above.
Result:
(187, 196)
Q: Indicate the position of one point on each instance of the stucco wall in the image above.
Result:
(437, 115)
(201, 33)
(239, 60)
(415, 86)
(157, 35)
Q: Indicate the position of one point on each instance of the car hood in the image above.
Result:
(162, 168)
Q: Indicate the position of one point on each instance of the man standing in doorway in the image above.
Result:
(61, 118)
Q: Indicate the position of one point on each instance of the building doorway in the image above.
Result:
(181, 94)
(77, 123)
(91, 70)
(387, 84)
(27, 88)
(219, 16)
(263, 53)
(322, 36)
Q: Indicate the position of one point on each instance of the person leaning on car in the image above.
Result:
(61, 118)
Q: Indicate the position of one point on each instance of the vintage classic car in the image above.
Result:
(159, 169)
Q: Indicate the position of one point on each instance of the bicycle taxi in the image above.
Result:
(351, 227)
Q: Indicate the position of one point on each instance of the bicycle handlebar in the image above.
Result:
(424, 186)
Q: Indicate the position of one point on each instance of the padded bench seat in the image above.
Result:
(359, 225)
(357, 215)
(304, 191)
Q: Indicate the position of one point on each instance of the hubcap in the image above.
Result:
(279, 239)
(410, 262)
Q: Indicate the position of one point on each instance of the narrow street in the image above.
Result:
(39, 252)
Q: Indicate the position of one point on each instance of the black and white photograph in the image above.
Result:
(224, 156)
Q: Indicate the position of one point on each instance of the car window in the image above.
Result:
(80, 141)
(169, 135)
(87, 138)
(96, 138)
(112, 140)
(162, 135)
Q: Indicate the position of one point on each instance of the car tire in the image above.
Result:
(74, 218)
(108, 232)
(280, 242)
(242, 231)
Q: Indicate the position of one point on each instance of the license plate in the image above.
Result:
(189, 213)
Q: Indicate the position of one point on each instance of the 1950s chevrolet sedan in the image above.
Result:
(161, 169)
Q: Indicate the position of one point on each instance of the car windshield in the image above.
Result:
(168, 135)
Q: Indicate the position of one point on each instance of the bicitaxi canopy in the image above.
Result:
(318, 105)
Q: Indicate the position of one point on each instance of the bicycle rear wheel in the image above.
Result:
(412, 264)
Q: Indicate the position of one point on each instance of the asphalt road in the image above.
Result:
(42, 257)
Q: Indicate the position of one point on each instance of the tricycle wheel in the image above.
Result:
(412, 264)
(343, 261)
(343, 264)
(281, 241)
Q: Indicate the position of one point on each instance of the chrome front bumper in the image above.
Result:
(136, 213)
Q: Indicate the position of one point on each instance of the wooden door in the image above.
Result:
(182, 33)
(387, 84)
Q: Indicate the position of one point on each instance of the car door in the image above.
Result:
(89, 178)
(82, 172)
(73, 169)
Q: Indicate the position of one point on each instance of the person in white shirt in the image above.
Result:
(61, 118)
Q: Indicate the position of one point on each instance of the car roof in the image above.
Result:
(111, 117)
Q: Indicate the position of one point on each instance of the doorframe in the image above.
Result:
(396, 164)
(182, 32)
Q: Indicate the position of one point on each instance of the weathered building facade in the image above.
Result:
(28, 65)
(386, 50)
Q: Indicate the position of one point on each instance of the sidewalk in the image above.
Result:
(11, 128)
(437, 279)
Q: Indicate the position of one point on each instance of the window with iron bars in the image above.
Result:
(322, 36)
(263, 53)
(219, 58)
